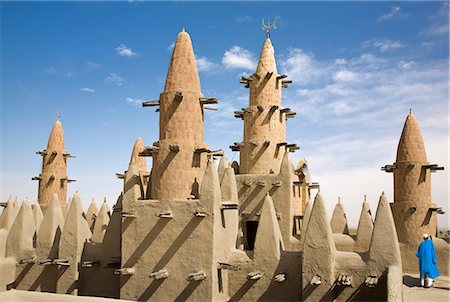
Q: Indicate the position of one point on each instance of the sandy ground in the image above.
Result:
(412, 291)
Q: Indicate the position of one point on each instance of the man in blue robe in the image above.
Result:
(427, 261)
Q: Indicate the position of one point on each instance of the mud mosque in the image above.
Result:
(247, 231)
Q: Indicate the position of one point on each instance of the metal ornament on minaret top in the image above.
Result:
(267, 28)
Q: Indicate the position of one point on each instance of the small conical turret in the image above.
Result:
(411, 146)
(319, 251)
(8, 215)
(74, 235)
(223, 164)
(38, 215)
(91, 214)
(101, 223)
(183, 73)
(365, 228)
(339, 223)
(20, 237)
(135, 158)
(268, 241)
(49, 233)
(384, 247)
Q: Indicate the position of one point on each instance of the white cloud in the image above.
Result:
(394, 12)
(341, 61)
(383, 45)
(137, 102)
(86, 89)
(123, 50)
(115, 79)
(344, 76)
(302, 66)
(204, 64)
(239, 58)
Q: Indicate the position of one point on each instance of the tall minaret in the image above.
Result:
(179, 157)
(264, 143)
(53, 178)
(413, 210)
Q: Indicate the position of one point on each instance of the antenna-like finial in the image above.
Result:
(339, 199)
(365, 198)
(182, 29)
(58, 116)
(267, 28)
(410, 110)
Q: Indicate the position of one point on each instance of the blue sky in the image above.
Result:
(357, 68)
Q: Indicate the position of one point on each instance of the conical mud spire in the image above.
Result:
(230, 217)
(135, 158)
(38, 215)
(365, 228)
(339, 223)
(228, 186)
(20, 237)
(384, 248)
(210, 188)
(305, 221)
(318, 251)
(91, 214)
(223, 164)
(49, 233)
(268, 242)
(74, 235)
(66, 208)
(101, 223)
(8, 215)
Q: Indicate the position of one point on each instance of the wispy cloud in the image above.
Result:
(115, 79)
(171, 46)
(59, 71)
(86, 89)
(383, 45)
(92, 66)
(206, 65)
(243, 19)
(367, 92)
(439, 23)
(123, 50)
(137, 102)
(435, 30)
(239, 58)
(394, 12)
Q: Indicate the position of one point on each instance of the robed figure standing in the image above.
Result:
(427, 261)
